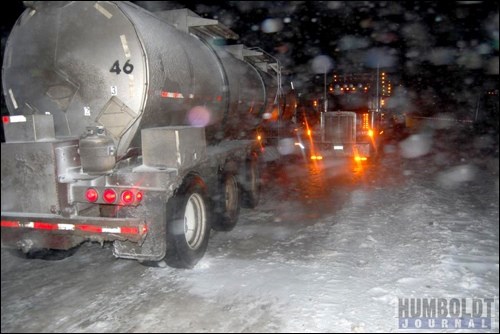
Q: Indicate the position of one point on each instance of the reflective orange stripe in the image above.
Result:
(70, 227)
(10, 223)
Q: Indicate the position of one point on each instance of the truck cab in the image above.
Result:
(353, 134)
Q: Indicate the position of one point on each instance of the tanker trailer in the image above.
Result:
(129, 127)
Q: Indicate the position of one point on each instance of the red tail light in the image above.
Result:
(109, 196)
(91, 195)
(127, 197)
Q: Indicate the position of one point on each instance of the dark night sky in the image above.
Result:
(423, 43)
(311, 28)
(316, 27)
(9, 15)
(440, 50)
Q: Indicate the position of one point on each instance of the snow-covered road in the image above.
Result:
(409, 228)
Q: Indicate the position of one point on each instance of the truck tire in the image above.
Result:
(226, 204)
(250, 184)
(188, 224)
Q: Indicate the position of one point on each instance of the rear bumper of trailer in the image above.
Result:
(26, 231)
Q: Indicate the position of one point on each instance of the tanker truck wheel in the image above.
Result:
(188, 224)
(250, 184)
(226, 204)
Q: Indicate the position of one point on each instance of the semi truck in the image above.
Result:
(129, 127)
(348, 135)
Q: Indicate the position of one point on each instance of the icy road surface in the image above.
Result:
(309, 259)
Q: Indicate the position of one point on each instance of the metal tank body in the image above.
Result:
(116, 65)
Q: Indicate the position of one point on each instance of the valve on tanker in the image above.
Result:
(97, 151)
